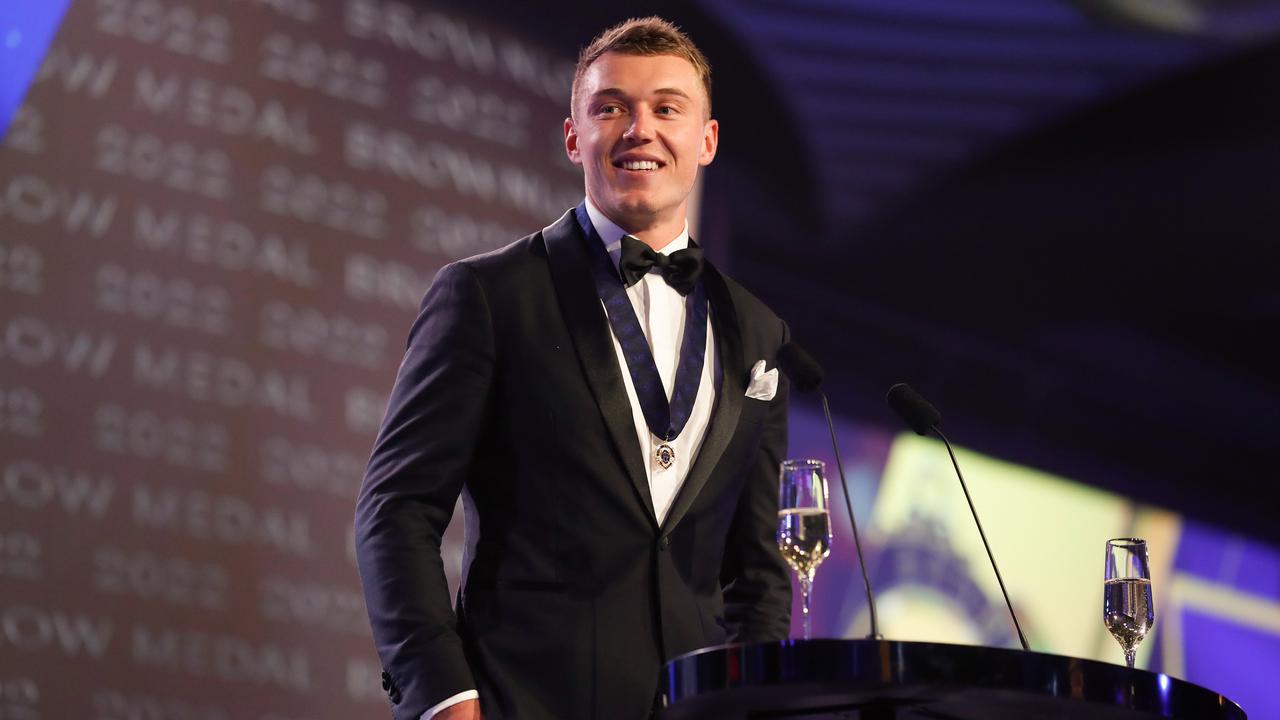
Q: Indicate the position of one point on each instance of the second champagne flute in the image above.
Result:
(804, 525)
(1126, 599)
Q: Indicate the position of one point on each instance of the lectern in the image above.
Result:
(890, 680)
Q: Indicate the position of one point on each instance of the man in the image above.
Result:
(614, 432)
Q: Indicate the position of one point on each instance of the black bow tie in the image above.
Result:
(681, 269)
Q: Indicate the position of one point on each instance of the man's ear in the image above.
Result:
(710, 141)
(571, 142)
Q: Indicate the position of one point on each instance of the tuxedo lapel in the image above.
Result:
(724, 420)
(589, 328)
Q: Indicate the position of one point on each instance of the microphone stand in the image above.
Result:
(1021, 638)
(853, 523)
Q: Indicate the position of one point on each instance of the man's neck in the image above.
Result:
(655, 233)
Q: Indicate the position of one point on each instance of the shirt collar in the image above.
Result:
(611, 234)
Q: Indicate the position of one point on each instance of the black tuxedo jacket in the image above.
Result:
(511, 391)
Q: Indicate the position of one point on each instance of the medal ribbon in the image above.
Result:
(665, 420)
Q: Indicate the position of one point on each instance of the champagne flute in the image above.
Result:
(1126, 598)
(804, 525)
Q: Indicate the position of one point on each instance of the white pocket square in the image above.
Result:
(763, 384)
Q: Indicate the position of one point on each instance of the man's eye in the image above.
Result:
(609, 110)
(667, 110)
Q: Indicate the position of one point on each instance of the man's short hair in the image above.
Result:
(643, 36)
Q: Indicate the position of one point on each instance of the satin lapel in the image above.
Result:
(724, 421)
(589, 328)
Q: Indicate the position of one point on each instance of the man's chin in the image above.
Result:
(633, 208)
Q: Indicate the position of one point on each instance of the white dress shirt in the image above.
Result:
(661, 312)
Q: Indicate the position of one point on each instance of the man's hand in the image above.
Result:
(465, 710)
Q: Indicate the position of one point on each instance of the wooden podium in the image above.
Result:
(885, 679)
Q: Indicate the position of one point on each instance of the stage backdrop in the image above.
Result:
(217, 219)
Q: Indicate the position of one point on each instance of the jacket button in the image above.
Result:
(664, 543)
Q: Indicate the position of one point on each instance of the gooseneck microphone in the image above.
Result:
(806, 375)
(923, 417)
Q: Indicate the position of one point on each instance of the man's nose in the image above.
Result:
(641, 126)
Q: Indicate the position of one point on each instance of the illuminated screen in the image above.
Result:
(1216, 595)
(217, 220)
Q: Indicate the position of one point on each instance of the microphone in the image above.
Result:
(806, 374)
(800, 368)
(923, 417)
(913, 408)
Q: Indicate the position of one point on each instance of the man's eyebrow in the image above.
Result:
(618, 92)
(672, 91)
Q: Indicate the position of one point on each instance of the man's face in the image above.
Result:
(640, 132)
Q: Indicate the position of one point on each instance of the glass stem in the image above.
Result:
(1129, 657)
(806, 586)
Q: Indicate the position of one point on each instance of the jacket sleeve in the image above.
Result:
(757, 585)
(436, 415)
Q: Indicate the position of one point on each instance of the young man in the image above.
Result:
(603, 400)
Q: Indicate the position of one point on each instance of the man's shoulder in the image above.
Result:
(528, 250)
(528, 253)
(759, 325)
(745, 303)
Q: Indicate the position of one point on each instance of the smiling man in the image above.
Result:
(641, 128)
(603, 400)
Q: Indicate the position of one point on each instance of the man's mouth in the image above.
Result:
(638, 165)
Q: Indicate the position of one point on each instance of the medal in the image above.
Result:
(665, 455)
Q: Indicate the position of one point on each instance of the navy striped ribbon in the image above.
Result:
(665, 420)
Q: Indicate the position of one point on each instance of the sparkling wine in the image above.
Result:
(1127, 610)
(803, 537)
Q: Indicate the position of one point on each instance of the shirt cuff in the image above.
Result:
(454, 700)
